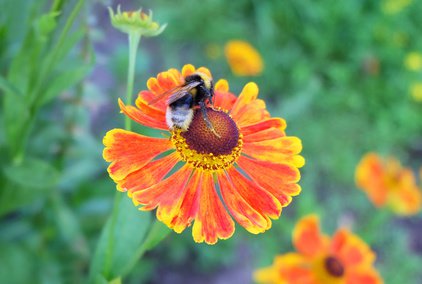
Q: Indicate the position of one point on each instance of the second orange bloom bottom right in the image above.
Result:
(320, 259)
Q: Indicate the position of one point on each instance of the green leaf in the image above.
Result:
(62, 82)
(14, 256)
(8, 87)
(16, 116)
(69, 43)
(32, 173)
(156, 234)
(120, 239)
(46, 24)
(69, 227)
(22, 184)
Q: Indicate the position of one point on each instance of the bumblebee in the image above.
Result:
(196, 92)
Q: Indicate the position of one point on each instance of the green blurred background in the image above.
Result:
(335, 70)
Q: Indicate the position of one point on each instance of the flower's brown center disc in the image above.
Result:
(334, 267)
(206, 148)
(203, 140)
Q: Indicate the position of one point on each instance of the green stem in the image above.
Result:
(134, 40)
(111, 239)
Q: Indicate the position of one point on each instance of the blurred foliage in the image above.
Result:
(334, 69)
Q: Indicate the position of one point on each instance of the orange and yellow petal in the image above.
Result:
(189, 69)
(369, 177)
(278, 150)
(267, 129)
(223, 98)
(351, 250)
(407, 202)
(128, 151)
(212, 221)
(147, 116)
(387, 183)
(268, 275)
(289, 268)
(248, 109)
(190, 204)
(148, 175)
(168, 80)
(275, 178)
(368, 276)
(250, 205)
(308, 239)
(406, 199)
(176, 199)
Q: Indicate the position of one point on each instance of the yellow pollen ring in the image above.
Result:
(205, 161)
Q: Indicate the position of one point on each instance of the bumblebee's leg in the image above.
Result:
(207, 121)
(209, 95)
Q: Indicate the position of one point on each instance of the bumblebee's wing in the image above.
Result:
(176, 93)
(162, 95)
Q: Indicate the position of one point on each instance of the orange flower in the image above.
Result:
(243, 58)
(342, 259)
(387, 183)
(251, 170)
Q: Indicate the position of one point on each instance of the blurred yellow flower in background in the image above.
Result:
(416, 91)
(387, 183)
(243, 58)
(394, 6)
(413, 61)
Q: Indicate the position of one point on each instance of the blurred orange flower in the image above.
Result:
(387, 183)
(251, 170)
(243, 58)
(341, 259)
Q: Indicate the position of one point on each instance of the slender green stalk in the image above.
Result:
(111, 239)
(134, 39)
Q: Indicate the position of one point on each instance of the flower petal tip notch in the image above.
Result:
(247, 173)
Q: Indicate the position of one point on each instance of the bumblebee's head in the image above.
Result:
(200, 77)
